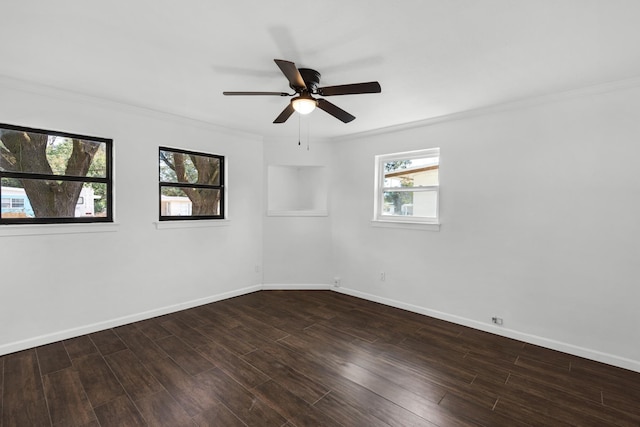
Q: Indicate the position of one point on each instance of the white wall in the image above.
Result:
(539, 218)
(540, 212)
(297, 249)
(58, 285)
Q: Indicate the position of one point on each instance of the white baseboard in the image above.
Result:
(66, 334)
(598, 356)
(295, 287)
(587, 353)
(113, 323)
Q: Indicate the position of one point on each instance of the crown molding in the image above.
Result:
(72, 96)
(513, 105)
(57, 92)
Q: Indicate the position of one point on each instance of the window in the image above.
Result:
(407, 187)
(191, 185)
(17, 203)
(44, 173)
(11, 203)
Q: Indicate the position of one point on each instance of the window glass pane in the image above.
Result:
(189, 168)
(411, 172)
(176, 201)
(36, 198)
(421, 204)
(44, 166)
(22, 154)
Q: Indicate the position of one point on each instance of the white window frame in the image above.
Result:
(378, 218)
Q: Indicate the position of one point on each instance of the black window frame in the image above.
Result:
(220, 187)
(107, 180)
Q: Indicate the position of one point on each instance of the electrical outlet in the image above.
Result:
(496, 320)
(383, 276)
(336, 282)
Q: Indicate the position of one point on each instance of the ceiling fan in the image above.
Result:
(305, 81)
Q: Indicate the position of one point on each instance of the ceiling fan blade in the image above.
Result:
(291, 72)
(335, 111)
(352, 89)
(286, 113)
(256, 93)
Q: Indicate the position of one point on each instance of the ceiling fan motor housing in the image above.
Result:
(311, 79)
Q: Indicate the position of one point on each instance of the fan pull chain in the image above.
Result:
(298, 129)
(308, 126)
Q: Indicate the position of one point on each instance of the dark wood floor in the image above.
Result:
(307, 358)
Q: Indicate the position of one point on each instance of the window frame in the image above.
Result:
(221, 187)
(107, 180)
(380, 189)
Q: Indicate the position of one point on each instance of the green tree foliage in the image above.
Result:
(98, 168)
(397, 164)
(12, 182)
(395, 198)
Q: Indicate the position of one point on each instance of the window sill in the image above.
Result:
(168, 225)
(45, 229)
(407, 225)
(298, 213)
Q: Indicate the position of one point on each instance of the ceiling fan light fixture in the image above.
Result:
(304, 104)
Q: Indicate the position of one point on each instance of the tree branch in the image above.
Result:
(166, 160)
(28, 150)
(81, 157)
(208, 169)
(7, 160)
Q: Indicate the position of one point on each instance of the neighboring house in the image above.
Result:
(15, 203)
(175, 206)
(85, 206)
(423, 202)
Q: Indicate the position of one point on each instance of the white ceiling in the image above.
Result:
(432, 58)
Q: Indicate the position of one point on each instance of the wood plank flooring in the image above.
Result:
(307, 358)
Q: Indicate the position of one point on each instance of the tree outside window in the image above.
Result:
(48, 172)
(191, 185)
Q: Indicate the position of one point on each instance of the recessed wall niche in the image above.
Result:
(294, 190)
